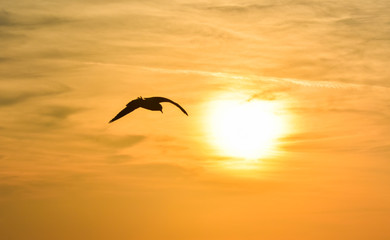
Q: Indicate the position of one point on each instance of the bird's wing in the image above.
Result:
(136, 102)
(130, 107)
(162, 99)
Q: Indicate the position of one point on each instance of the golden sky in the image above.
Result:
(287, 135)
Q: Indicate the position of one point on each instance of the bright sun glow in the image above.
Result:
(244, 129)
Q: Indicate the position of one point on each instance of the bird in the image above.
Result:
(152, 103)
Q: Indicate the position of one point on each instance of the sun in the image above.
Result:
(244, 129)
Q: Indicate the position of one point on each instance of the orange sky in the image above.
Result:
(67, 67)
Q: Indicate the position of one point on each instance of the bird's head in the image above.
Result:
(160, 108)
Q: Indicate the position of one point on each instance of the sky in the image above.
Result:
(316, 72)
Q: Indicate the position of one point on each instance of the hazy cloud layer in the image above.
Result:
(67, 67)
(19, 91)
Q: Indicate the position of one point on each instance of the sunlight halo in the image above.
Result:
(244, 129)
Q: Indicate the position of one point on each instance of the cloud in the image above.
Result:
(115, 141)
(5, 18)
(20, 91)
(7, 190)
(16, 20)
(40, 182)
(381, 148)
(4, 59)
(119, 159)
(306, 136)
(284, 36)
(157, 170)
(271, 92)
(59, 112)
(239, 9)
(8, 38)
(50, 117)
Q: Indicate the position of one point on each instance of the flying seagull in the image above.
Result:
(152, 103)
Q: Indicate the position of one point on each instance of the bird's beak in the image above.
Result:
(161, 111)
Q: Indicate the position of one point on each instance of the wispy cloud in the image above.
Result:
(14, 20)
(21, 91)
(115, 141)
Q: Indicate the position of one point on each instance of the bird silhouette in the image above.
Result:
(152, 103)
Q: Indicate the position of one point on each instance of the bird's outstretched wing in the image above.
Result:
(131, 106)
(162, 99)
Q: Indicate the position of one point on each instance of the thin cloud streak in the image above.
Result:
(250, 77)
